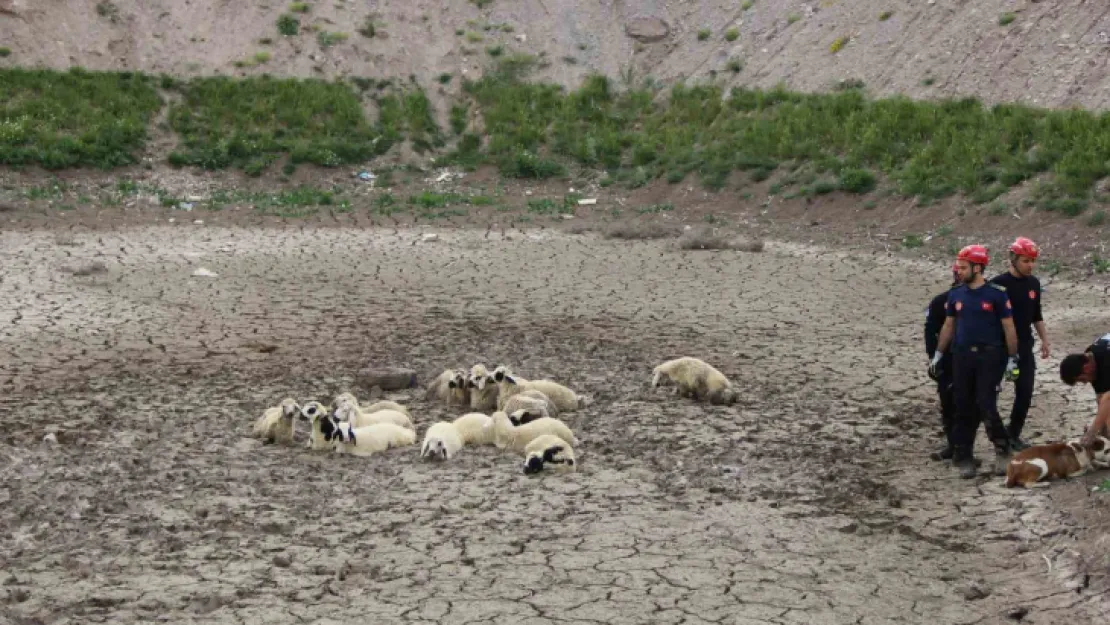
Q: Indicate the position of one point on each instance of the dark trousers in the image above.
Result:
(947, 394)
(1023, 389)
(978, 378)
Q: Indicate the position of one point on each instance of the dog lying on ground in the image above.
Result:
(1056, 461)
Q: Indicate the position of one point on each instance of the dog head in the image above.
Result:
(1099, 450)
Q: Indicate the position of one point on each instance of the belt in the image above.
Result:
(980, 347)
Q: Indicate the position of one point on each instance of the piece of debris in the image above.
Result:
(366, 176)
(428, 238)
(647, 29)
(198, 222)
(50, 438)
(587, 201)
(387, 379)
(976, 591)
(1017, 613)
(185, 206)
(201, 272)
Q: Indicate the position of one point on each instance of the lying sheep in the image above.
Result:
(371, 439)
(385, 404)
(695, 378)
(347, 410)
(524, 415)
(483, 389)
(516, 437)
(278, 423)
(441, 442)
(508, 385)
(450, 387)
(533, 401)
(472, 428)
(317, 416)
(550, 452)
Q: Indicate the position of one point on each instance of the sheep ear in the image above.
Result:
(550, 452)
(451, 384)
(509, 379)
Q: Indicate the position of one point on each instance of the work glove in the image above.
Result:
(934, 365)
(1012, 369)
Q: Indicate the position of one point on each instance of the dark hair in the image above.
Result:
(1071, 367)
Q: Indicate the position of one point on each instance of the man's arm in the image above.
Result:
(1042, 334)
(1011, 336)
(1101, 425)
(933, 323)
(946, 332)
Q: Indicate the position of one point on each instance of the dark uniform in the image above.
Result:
(979, 358)
(934, 320)
(1025, 297)
(1100, 349)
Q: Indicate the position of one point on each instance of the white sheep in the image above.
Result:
(695, 378)
(550, 452)
(441, 442)
(320, 435)
(508, 385)
(483, 388)
(450, 387)
(516, 437)
(535, 402)
(346, 409)
(371, 439)
(278, 423)
(472, 428)
(385, 404)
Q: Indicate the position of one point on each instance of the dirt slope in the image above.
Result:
(1051, 54)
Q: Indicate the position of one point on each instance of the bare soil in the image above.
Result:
(811, 500)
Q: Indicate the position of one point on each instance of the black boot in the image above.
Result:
(944, 453)
(965, 462)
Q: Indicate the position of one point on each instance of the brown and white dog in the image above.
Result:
(1056, 461)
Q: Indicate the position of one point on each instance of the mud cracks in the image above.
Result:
(809, 501)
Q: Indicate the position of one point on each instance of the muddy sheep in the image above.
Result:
(372, 439)
(695, 378)
(472, 428)
(508, 385)
(516, 437)
(549, 452)
(278, 423)
(483, 389)
(450, 387)
(442, 442)
(533, 401)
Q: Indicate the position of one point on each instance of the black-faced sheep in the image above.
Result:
(441, 442)
(695, 378)
(483, 389)
(317, 416)
(371, 439)
(278, 423)
(508, 385)
(450, 387)
(516, 437)
(472, 428)
(549, 452)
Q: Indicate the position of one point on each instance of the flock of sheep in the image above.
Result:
(524, 419)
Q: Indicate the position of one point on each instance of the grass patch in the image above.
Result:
(747, 4)
(328, 39)
(927, 149)
(288, 25)
(838, 44)
(793, 18)
(5, 52)
(250, 122)
(732, 34)
(885, 15)
(1104, 486)
(74, 118)
(632, 231)
(299, 7)
(1097, 219)
(704, 34)
(1006, 19)
(1100, 264)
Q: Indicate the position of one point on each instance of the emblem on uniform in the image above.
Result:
(987, 306)
(959, 305)
(1032, 294)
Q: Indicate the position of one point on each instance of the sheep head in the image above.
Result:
(289, 409)
(312, 411)
(500, 372)
(457, 379)
(434, 449)
(479, 377)
(522, 416)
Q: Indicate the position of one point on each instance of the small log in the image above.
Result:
(387, 379)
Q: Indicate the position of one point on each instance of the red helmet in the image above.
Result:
(1024, 247)
(975, 254)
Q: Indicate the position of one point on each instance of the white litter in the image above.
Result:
(587, 201)
(204, 273)
(428, 238)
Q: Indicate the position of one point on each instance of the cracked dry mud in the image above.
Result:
(809, 501)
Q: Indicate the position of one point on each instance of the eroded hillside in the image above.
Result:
(1041, 53)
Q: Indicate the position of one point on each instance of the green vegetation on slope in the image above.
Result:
(928, 149)
(74, 118)
(925, 149)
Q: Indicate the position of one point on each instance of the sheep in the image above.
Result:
(547, 451)
(508, 385)
(483, 388)
(441, 442)
(347, 410)
(533, 401)
(449, 386)
(516, 437)
(695, 378)
(278, 423)
(322, 425)
(472, 428)
(371, 439)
